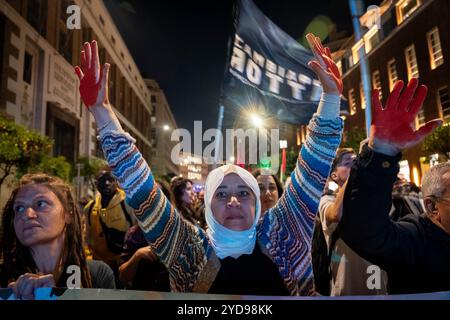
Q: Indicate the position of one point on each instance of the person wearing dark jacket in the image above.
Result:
(415, 251)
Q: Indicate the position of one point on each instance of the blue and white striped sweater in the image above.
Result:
(284, 234)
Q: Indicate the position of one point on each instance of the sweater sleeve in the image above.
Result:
(287, 227)
(182, 247)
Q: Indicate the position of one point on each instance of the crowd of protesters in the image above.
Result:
(339, 215)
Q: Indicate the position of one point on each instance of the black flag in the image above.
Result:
(268, 68)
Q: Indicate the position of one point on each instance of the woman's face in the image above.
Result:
(188, 194)
(269, 192)
(233, 204)
(39, 216)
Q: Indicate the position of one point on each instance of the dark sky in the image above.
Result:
(183, 44)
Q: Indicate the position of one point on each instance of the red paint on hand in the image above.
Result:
(90, 74)
(89, 88)
(325, 68)
(394, 124)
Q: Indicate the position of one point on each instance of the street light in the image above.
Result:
(166, 127)
(256, 120)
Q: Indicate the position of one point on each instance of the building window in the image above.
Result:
(411, 62)
(339, 66)
(420, 119)
(392, 74)
(376, 81)
(404, 172)
(362, 96)
(111, 88)
(371, 39)
(37, 15)
(129, 101)
(350, 61)
(404, 9)
(435, 49)
(102, 21)
(352, 101)
(355, 51)
(444, 103)
(123, 88)
(65, 41)
(65, 45)
(28, 68)
(87, 34)
(153, 99)
(64, 4)
(153, 137)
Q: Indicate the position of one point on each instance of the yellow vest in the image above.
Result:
(113, 217)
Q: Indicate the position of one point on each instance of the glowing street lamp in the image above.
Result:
(166, 127)
(256, 120)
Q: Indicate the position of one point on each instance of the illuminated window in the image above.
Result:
(404, 172)
(392, 73)
(420, 119)
(350, 61)
(404, 9)
(435, 49)
(362, 95)
(355, 51)
(339, 65)
(376, 81)
(444, 103)
(371, 39)
(411, 62)
(352, 101)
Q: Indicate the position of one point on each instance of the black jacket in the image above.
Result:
(414, 251)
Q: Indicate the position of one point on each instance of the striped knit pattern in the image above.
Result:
(285, 232)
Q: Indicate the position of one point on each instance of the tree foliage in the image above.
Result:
(438, 142)
(353, 137)
(89, 168)
(55, 166)
(20, 149)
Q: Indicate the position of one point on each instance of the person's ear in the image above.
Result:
(430, 206)
(334, 176)
(68, 218)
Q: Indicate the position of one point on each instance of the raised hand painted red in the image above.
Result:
(324, 66)
(90, 74)
(393, 126)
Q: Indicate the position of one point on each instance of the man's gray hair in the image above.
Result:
(432, 182)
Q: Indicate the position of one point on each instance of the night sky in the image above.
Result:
(183, 44)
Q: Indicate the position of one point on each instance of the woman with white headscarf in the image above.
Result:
(236, 255)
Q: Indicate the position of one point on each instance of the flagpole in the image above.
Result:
(356, 9)
(219, 135)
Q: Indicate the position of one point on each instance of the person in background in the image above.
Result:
(140, 268)
(270, 189)
(108, 219)
(184, 195)
(42, 238)
(346, 272)
(414, 251)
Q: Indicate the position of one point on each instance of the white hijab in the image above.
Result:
(227, 242)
